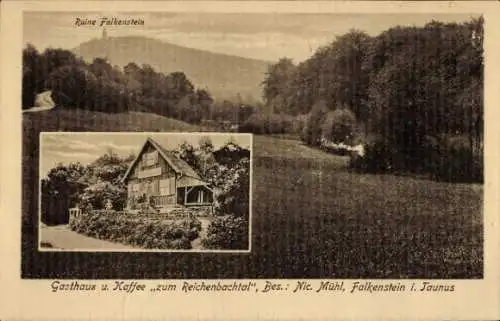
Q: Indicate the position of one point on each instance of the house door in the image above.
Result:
(180, 196)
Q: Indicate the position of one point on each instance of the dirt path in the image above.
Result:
(61, 237)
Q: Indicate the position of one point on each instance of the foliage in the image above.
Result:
(227, 170)
(454, 159)
(403, 85)
(232, 197)
(312, 130)
(232, 205)
(377, 157)
(268, 124)
(227, 232)
(59, 191)
(96, 195)
(99, 86)
(230, 111)
(333, 74)
(277, 80)
(339, 126)
(138, 231)
(87, 186)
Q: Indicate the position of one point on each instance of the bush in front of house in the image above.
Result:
(227, 232)
(136, 231)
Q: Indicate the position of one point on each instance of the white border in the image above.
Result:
(145, 134)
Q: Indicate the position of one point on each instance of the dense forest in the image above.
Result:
(413, 96)
(99, 86)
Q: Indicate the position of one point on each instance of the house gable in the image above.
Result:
(149, 163)
(154, 160)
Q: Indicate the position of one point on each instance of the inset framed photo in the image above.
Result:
(140, 192)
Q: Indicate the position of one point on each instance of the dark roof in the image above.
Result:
(179, 166)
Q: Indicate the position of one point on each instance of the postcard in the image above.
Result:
(250, 160)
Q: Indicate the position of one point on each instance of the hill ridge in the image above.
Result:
(222, 74)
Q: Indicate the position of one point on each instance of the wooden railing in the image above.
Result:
(164, 200)
(75, 212)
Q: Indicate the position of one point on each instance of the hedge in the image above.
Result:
(144, 232)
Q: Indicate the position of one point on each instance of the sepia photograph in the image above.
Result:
(367, 150)
(131, 192)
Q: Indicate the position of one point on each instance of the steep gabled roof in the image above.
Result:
(174, 161)
(177, 164)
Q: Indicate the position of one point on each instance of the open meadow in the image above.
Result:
(314, 217)
(311, 218)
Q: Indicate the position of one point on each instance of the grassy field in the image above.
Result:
(311, 218)
(82, 120)
(316, 218)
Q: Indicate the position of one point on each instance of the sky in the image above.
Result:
(265, 36)
(85, 148)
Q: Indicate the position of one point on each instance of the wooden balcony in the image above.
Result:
(164, 200)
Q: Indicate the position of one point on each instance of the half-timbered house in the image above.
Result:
(160, 179)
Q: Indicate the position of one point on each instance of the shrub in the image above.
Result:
(377, 157)
(227, 232)
(97, 195)
(311, 132)
(444, 158)
(339, 126)
(145, 232)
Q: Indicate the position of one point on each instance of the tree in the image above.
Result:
(72, 86)
(333, 74)
(424, 86)
(277, 78)
(205, 101)
(312, 129)
(59, 191)
(205, 157)
(231, 228)
(178, 85)
(189, 109)
(31, 59)
(101, 67)
(187, 153)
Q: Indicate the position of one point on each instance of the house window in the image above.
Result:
(150, 159)
(165, 187)
(172, 185)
